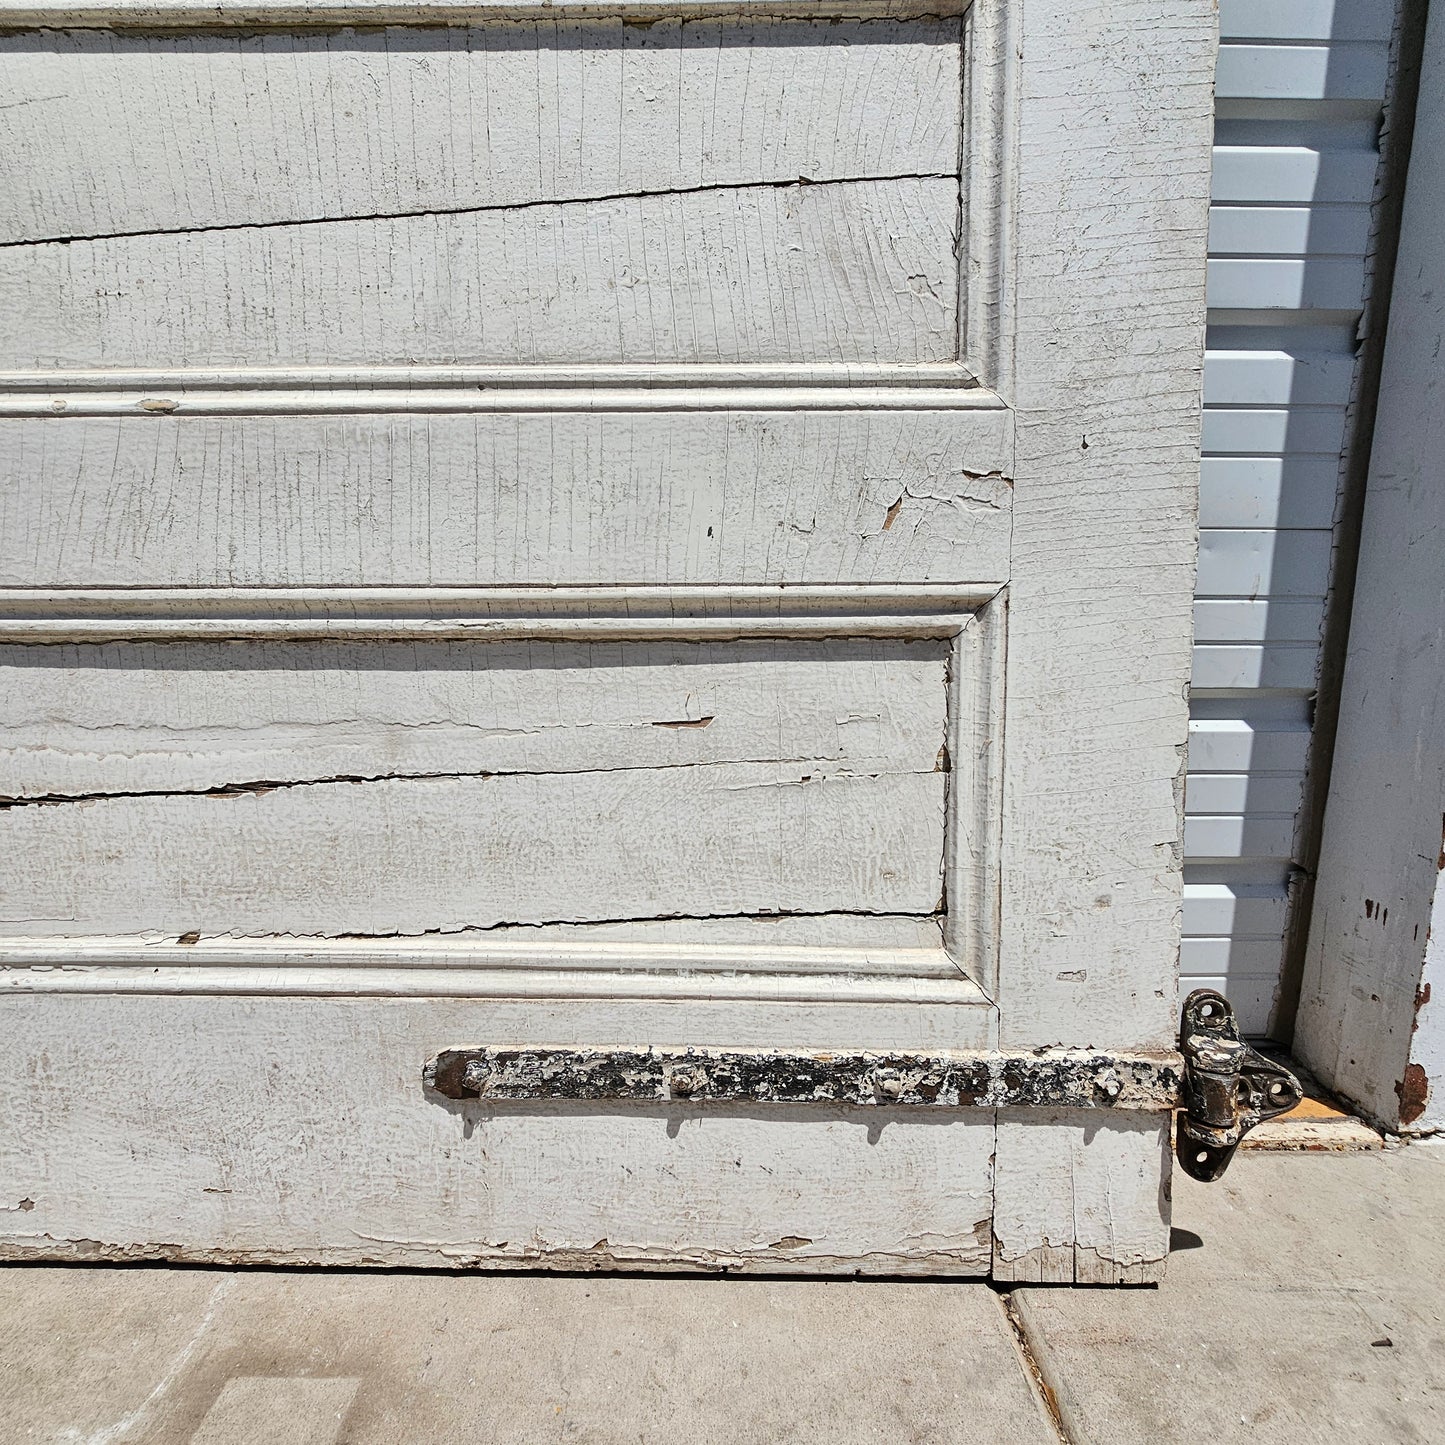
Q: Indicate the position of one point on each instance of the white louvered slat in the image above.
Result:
(1268, 491)
(1274, 429)
(1275, 619)
(1288, 230)
(1276, 378)
(1289, 665)
(1219, 793)
(1238, 744)
(1292, 174)
(1253, 835)
(1330, 283)
(1253, 563)
(1242, 909)
(1338, 20)
(1225, 968)
(1347, 71)
(1299, 87)
(1236, 958)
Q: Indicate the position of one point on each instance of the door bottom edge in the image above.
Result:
(973, 1262)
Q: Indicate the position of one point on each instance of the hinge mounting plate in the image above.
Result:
(1228, 1087)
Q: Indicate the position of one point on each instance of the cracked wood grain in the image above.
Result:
(407, 856)
(116, 133)
(807, 770)
(733, 191)
(433, 212)
(537, 786)
(720, 497)
(863, 271)
(177, 717)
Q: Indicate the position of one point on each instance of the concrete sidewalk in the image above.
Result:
(1303, 1304)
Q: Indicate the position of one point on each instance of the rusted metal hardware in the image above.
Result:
(1228, 1087)
(1057, 1078)
(1220, 1085)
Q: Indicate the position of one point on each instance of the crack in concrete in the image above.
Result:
(1041, 1385)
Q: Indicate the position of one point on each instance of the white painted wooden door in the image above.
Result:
(661, 528)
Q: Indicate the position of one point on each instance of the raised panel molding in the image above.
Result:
(946, 959)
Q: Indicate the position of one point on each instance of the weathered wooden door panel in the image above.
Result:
(646, 529)
(667, 488)
(718, 192)
(176, 133)
(304, 1085)
(862, 271)
(786, 809)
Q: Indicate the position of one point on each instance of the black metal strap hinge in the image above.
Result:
(1049, 1078)
(1220, 1085)
(1228, 1087)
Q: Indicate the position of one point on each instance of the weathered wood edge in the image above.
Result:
(1104, 535)
(954, 1080)
(313, 14)
(987, 143)
(22, 972)
(627, 376)
(972, 877)
(1107, 246)
(178, 401)
(468, 1254)
(55, 615)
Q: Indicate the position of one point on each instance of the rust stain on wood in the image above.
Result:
(1413, 1092)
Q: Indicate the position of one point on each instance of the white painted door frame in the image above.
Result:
(1373, 1000)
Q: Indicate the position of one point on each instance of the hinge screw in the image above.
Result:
(888, 1083)
(687, 1082)
(1108, 1085)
